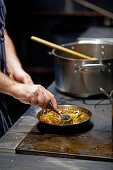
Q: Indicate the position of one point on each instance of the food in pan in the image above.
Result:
(76, 116)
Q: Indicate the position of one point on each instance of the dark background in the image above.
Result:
(58, 21)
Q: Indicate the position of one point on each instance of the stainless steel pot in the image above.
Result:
(80, 77)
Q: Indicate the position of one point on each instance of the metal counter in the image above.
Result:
(19, 130)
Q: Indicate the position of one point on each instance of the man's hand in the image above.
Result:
(33, 95)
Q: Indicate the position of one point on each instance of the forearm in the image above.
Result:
(6, 84)
(11, 59)
(14, 67)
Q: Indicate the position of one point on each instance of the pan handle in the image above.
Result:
(93, 68)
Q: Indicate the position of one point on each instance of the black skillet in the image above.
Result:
(82, 126)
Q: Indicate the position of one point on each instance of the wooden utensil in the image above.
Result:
(77, 54)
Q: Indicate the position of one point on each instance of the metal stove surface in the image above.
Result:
(92, 141)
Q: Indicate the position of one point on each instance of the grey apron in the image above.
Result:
(5, 122)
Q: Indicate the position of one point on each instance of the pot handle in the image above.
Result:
(93, 68)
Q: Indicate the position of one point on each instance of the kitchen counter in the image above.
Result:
(9, 142)
(28, 162)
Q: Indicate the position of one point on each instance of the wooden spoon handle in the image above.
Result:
(77, 54)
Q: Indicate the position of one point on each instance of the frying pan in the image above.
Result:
(42, 126)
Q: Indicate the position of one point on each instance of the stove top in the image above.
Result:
(91, 141)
